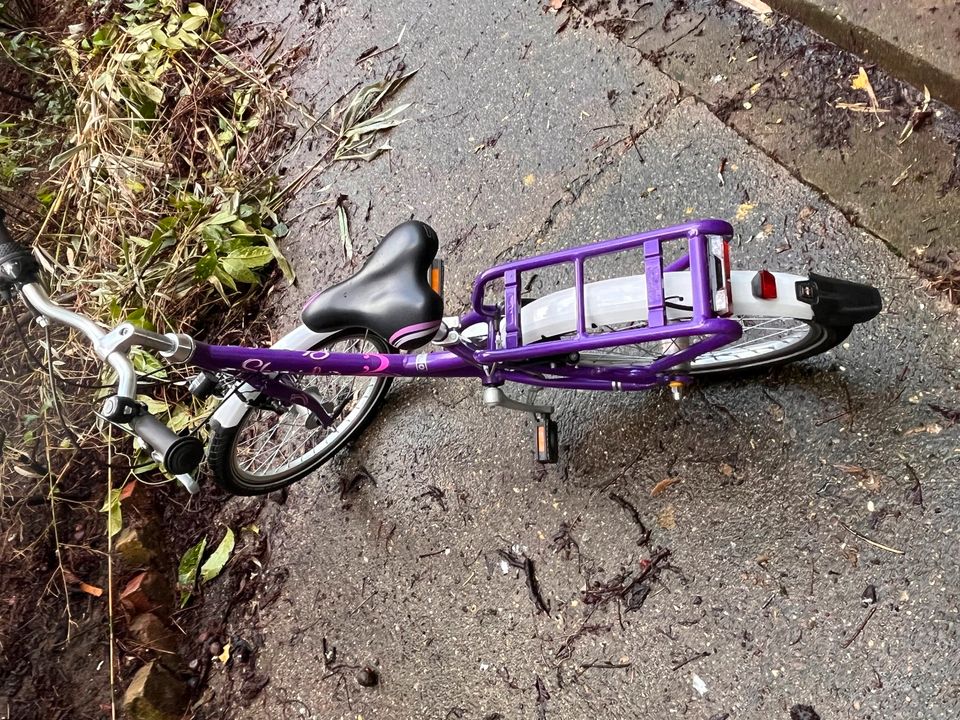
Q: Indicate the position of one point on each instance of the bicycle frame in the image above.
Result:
(505, 357)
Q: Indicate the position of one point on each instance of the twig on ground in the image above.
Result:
(867, 540)
(523, 563)
(698, 656)
(849, 641)
(635, 515)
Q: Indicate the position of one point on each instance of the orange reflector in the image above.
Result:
(542, 439)
(436, 276)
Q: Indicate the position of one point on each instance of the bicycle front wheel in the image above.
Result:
(275, 444)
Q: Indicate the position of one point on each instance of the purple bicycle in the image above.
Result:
(289, 408)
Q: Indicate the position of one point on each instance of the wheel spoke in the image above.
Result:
(762, 336)
(271, 444)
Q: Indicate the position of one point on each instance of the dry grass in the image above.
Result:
(140, 161)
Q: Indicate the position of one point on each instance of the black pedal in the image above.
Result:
(548, 443)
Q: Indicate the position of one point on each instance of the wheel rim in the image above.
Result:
(763, 339)
(271, 444)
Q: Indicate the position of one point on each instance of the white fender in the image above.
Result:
(231, 410)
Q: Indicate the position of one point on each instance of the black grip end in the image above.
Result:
(183, 456)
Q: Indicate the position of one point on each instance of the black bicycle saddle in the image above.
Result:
(391, 293)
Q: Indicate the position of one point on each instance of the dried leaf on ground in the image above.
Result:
(667, 518)
(343, 221)
(868, 478)
(862, 82)
(757, 6)
(919, 115)
(359, 123)
(662, 486)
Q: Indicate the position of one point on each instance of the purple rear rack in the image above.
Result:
(703, 321)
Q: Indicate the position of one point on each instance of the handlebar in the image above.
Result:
(180, 455)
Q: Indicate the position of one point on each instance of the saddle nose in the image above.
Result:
(390, 295)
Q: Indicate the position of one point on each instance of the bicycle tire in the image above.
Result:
(226, 443)
(818, 339)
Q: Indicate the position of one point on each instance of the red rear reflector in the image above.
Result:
(764, 285)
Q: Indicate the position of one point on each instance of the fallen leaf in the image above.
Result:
(529, 180)
(744, 209)
(903, 176)
(726, 469)
(91, 589)
(757, 6)
(920, 113)
(661, 486)
(859, 107)
(931, 428)
(26, 472)
(754, 88)
(127, 490)
(869, 479)
(852, 469)
(225, 655)
(111, 506)
(556, 4)
(218, 558)
(344, 222)
(862, 82)
(187, 570)
(667, 518)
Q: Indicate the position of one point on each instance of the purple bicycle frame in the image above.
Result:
(540, 363)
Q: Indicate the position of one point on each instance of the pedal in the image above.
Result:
(548, 442)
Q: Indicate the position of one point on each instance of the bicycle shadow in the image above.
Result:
(783, 422)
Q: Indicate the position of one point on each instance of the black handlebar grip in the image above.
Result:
(181, 455)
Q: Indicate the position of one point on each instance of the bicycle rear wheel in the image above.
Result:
(275, 444)
(766, 342)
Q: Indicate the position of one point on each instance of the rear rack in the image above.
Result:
(703, 321)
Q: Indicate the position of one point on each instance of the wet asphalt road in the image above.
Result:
(779, 479)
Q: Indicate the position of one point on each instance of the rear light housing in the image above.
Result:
(719, 270)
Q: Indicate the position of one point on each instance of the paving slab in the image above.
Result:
(781, 478)
(915, 40)
(788, 92)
